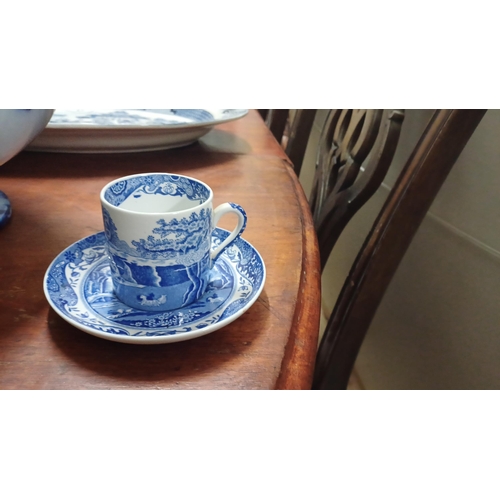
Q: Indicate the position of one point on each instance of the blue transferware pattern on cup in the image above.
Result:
(160, 184)
(79, 287)
(184, 241)
(169, 267)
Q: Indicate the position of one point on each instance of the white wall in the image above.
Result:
(439, 324)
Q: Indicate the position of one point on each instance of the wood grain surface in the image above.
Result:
(55, 200)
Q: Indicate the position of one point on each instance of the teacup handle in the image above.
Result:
(224, 209)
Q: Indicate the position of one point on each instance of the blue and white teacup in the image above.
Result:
(159, 230)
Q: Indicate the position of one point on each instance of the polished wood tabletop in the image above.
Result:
(55, 200)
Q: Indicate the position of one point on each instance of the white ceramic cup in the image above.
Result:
(158, 229)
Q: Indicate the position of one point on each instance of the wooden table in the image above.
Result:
(55, 200)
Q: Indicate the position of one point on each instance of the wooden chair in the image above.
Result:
(276, 120)
(344, 182)
(355, 152)
(292, 134)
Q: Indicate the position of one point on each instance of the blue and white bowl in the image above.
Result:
(18, 127)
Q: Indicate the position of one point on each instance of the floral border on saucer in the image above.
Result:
(78, 287)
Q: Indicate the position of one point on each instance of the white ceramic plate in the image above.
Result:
(128, 130)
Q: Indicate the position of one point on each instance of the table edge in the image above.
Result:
(297, 367)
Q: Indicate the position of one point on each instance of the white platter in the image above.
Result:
(128, 130)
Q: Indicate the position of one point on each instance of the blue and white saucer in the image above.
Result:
(128, 130)
(5, 209)
(78, 287)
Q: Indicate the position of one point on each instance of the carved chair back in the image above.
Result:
(340, 191)
(292, 132)
(354, 154)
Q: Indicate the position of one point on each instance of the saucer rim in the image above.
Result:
(161, 339)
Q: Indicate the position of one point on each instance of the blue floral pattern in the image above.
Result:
(172, 185)
(5, 209)
(167, 270)
(181, 240)
(79, 288)
(143, 117)
(168, 267)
